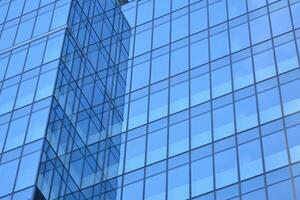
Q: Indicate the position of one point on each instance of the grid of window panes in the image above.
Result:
(212, 101)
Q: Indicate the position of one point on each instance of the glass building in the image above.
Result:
(150, 99)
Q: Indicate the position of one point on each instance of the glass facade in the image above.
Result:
(154, 99)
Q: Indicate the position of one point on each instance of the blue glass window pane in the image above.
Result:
(275, 153)
(281, 191)
(8, 173)
(269, 105)
(179, 60)
(3, 11)
(142, 42)
(133, 191)
(217, 12)
(157, 146)
(7, 37)
(3, 131)
(199, 53)
(16, 133)
(138, 112)
(291, 98)
(254, 4)
(260, 30)
(162, 7)
(223, 126)
(246, 116)
(161, 35)
(53, 49)
(16, 63)
(226, 168)
(60, 16)
(178, 138)
(219, 45)
(297, 186)
(160, 68)
(35, 56)
(296, 14)
(26, 92)
(242, 73)
(180, 27)
(15, 9)
(178, 183)
(281, 21)
(236, 8)
(264, 65)
(221, 81)
(37, 125)
(239, 37)
(179, 97)
(46, 85)
(25, 30)
(145, 9)
(201, 135)
(294, 142)
(197, 25)
(250, 159)
(286, 56)
(7, 98)
(179, 4)
(3, 64)
(155, 187)
(135, 154)
(140, 76)
(258, 194)
(31, 5)
(200, 89)
(28, 171)
(42, 23)
(202, 176)
(158, 105)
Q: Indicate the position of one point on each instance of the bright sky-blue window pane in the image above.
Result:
(201, 135)
(219, 45)
(179, 97)
(296, 14)
(16, 63)
(275, 153)
(179, 4)
(221, 81)
(281, 21)
(35, 56)
(281, 191)
(158, 105)
(180, 27)
(250, 159)
(145, 9)
(179, 60)
(200, 90)
(26, 92)
(258, 194)
(217, 12)
(162, 7)
(140, 76)
(254, 4)
(7, 98)
(223, 126)
(42, 23)
(138, 112)
(161, 35)
(202, 176)
(155, 187)
(236, 8)
(246, 116)
(286, 56)
(297, 186)
(7, 37)
(198, 20)
(142, 42)
(178, 186)
(60, 16)
(294, 142)
(16, 133)
(3, 11)
(157, 146)
(160, 68)
(269, 105)
(28, 170)
(264, 65)
(178, 138)
(31, 5)
(3, 64)
(290, 97)
(3, 130)
(260, 30)
(226, 168)
(239, 37)
(25, 30)
(133, 191)
(8, 173)
(199, 53)
(15, 9)
(242, 73)
(53, 48)
(135, 154)
(37, 125)
(46, 85)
